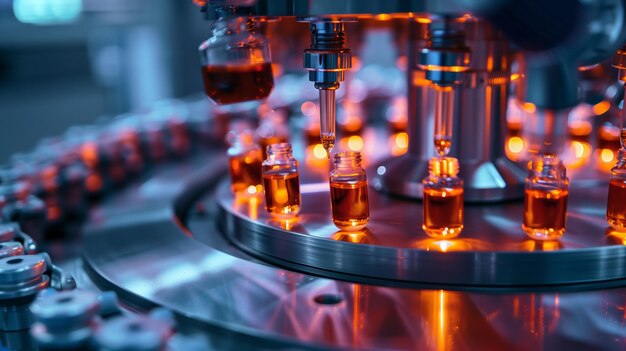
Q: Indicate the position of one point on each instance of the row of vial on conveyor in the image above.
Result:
(43, 191)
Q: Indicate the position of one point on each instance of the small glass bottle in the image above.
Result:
(616, 204)
(273, 129)
(545, 198)
(236, 63)
(244, 160)
(281, 182)
(443, 198)
(348, 192)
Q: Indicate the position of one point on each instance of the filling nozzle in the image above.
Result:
(327, 60)
(444, 59)
(444, 118)
(328, 119)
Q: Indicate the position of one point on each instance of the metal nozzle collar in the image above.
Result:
(445, 58)
(327, 59)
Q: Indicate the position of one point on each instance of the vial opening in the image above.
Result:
(547, 166)
(347, 159)
(443, 166)
(280, 149)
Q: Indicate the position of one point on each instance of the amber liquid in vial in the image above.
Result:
(282, 194)
(245, 171)
(349, 204)
(544, 213)
(616, 205)
(443, 212)
(264, 142)
(237, 83)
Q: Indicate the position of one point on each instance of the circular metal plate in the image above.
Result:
(492, 250)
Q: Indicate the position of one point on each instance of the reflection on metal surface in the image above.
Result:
(217, 286)
(357, 237)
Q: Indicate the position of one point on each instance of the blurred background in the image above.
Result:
(68, 62)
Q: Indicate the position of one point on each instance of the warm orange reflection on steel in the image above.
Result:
(458, 244)
(616, 237)
(253, 207)
(535, 245)
(286, 224)
(356, 314)
(357, 237)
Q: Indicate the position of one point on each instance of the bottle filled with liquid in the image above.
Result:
(236, 63)
(545, 198)
(273, 129)
(443, 199)
(281, 182)
(616, 204)
(244, 161)
(348, 192)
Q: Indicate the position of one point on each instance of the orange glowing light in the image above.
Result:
(402, 140)
(383, 17)
(601, 108)
(607, 155)
(199, 2)
(253, 207)
(516, 145)
(252, 189)
(419, 79)
(424, 20)
(529, 107)
(89, 153)
(580, 128)
(93, 183)
(444, 68)
(356, 63)
(355, 143)
(515, 76)
(319, 152)
(579, 149)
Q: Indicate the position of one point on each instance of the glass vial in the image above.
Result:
(236, 63)
(244, 163)
(281, 182)
(545, 198)
(443, 199)
(616, 204)
(348, 192)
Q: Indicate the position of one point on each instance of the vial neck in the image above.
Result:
(547, 166)
(347, 161)
(621, 158)
(441, 166)
(281, 151)
(232, 26)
